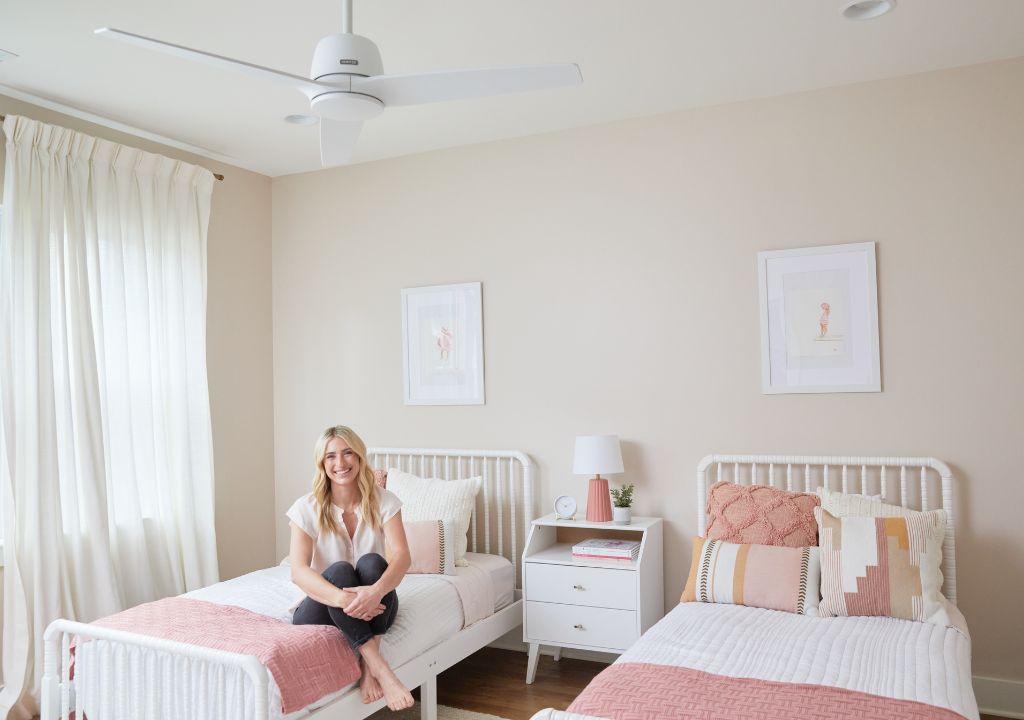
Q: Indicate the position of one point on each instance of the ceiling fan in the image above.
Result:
(347, 84)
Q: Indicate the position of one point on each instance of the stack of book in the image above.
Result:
(605, 549)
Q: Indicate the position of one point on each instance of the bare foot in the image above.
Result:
(369, 687)
(396, 695)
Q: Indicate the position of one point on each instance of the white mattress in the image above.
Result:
(430, 611)
(892, 658)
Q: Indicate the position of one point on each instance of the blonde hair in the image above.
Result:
(370, 506)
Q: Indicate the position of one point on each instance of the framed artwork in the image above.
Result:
(443, 335)
(819, 320)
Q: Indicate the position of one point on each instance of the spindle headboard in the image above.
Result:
(865, 475)
(505, 504)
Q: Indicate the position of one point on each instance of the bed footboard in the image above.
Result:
(163, 675)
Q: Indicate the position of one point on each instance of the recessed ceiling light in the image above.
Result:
(302, 119)
(5, 55)
(867, 9)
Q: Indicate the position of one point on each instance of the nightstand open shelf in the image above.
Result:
(589, 603)
(561, 554)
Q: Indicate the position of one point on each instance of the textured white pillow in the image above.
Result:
(430, 499)
(843, 505)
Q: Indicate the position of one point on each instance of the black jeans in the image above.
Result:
(368, 570)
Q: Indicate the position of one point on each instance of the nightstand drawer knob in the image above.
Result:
(578, 626)
(578, 587)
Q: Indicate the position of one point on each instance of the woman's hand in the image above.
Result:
(365, 602)
(340, 599)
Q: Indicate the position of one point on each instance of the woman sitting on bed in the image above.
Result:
(337, 546)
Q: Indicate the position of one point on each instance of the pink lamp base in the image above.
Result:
(599, 504)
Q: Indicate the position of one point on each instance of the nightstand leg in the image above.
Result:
(531, 663)
(558, 653)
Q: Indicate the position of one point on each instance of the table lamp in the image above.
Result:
(597, 454)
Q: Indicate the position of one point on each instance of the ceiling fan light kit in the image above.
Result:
(867, 9)
(347, 84)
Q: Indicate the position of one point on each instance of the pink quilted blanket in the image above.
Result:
(642, 691)
(306, 661)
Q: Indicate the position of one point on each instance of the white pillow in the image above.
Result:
(846, 505)
(430, 499)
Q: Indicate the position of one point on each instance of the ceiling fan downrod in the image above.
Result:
(346, 17)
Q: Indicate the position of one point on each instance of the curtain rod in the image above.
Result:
(216, 175)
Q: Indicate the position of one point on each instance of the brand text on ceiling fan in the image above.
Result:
(347, 84)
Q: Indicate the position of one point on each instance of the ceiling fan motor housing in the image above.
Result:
(345, 54)
(336, 60)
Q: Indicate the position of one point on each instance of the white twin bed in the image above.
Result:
(111, 674)
(705, 660)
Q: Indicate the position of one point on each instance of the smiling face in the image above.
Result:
(341, 463)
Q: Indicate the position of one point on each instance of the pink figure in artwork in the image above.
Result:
(444, 343)
(826, 310)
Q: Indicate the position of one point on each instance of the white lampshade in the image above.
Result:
(597, 455)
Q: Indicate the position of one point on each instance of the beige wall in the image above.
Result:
(620, 295)
(238, 347)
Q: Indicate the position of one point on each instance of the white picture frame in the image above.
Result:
(443, 344)
(819, 320)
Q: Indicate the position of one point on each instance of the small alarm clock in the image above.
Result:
(565, 507)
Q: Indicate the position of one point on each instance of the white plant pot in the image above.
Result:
(621, 516)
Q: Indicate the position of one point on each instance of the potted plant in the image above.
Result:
(622, 500)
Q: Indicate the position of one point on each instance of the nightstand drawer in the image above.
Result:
(595, 587)
(574, 625)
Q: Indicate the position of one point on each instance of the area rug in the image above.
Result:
(443, 713)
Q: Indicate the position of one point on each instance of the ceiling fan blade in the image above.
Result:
(304, 85)
(337, 141)
(465, 84)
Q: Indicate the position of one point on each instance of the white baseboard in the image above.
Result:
(1004, 698)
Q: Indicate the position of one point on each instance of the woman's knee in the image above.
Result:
(371, 565)
(341, 574)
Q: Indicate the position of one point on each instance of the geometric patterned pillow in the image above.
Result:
(761, 515)
(887, 566)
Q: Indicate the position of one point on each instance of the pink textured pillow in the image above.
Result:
(761, 515)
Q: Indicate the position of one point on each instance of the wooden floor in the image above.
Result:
(494, 681)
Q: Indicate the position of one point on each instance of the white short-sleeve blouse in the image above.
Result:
(330, 548)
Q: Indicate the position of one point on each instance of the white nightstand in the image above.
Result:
(599, 605)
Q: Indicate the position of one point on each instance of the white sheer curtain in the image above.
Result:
(106, 459)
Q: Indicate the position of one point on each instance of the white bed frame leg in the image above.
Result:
(531, 664)
(428, 699)
(558, 653)
(50, 690)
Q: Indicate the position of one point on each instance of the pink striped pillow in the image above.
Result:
(431, 547)
(764, 576)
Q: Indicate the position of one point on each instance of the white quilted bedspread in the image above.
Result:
(881, 656)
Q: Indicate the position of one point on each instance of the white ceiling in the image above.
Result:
(638, 57)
